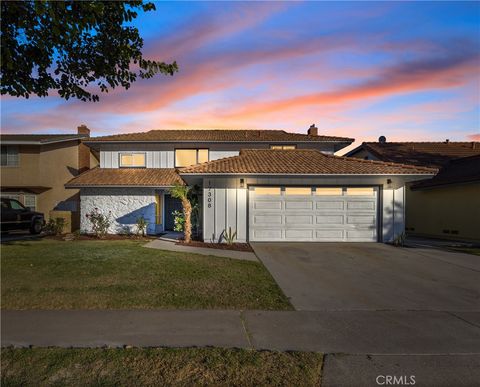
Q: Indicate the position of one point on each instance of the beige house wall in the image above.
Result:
(49, 165)
(451, 212)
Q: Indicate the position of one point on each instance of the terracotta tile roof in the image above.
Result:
(304, 161)
(113, 177)
(427, 154)
(39, 138)
(459, 171)
(220, 135)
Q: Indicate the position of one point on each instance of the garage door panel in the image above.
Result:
(268, 205)
(266, 234)
(328, 218)
(330, 205)
(331, 235)
(267, 219)
(299, 234)
(360, 205)
(298, 205)
(299, 219)
(361, 219)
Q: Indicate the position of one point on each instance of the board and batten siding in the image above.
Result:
(226, 203)
(154, 159)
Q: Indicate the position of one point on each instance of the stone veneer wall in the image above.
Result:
(125, 204)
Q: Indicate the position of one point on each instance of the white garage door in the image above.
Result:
(316, 214)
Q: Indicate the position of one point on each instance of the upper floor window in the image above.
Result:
(9, 156)
(132, 160)
(283, 147)
(187, 157)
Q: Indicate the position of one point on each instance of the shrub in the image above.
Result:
(142, 225)
(55, 226)
(178, 220)
(100, 222)
(229, 236)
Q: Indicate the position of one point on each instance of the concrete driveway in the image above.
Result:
(372, 276)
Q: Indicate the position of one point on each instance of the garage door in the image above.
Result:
(316, 214)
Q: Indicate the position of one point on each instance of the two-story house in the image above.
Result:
(35, 168)
(267, 185)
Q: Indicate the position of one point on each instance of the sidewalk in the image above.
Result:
(354, 332)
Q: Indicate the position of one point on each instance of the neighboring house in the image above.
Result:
(35, 168)
(436, 210)
(449, 204)
(267, 185)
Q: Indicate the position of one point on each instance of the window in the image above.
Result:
(9, 156)
(267, 190)
(298, 191)
(283, 147)
(367, 191)
(30, 201)
(15, 205)
(187, 157)
(329, 191)
(132, 160)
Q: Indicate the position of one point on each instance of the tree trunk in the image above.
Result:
(187, 210)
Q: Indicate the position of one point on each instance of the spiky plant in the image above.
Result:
(181, 192)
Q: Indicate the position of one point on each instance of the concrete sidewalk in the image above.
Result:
(171, 246)
(354, 332)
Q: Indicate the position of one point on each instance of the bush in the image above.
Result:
(55, 226)
(178, 220)
(100, 222)
(142, 225)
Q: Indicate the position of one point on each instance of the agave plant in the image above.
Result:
(229, 236)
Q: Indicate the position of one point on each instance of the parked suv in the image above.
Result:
(17, 217)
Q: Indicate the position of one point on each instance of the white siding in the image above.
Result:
(154, 159)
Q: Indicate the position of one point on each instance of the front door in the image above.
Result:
(171, 205)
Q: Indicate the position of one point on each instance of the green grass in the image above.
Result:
(187, 366)
(48, 274)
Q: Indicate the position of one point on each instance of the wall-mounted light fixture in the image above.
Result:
(389, 183)
(242, 183)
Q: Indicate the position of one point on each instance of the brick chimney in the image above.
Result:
(83, 150)
(312, 130)
(82, 129)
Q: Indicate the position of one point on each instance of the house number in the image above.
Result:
(209, 198)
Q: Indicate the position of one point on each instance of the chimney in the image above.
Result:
(473, 144)
(83, 150)
(82, 129)
(312, 130)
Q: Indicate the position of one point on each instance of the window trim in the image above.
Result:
(120, 154)
(196, 155)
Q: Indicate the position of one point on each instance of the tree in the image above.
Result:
(181, 192)
(73, 47)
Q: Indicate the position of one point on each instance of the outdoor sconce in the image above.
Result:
(242, 183)
(389, 183)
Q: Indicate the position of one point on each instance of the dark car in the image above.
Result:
(17, 217)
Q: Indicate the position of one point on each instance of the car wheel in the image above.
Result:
(36, 227)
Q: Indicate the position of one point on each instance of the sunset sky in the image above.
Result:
(409, 71)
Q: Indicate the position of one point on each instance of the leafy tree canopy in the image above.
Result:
(75, 47)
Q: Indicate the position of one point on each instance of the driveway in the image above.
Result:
(372, 276)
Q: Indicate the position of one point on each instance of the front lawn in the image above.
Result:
(185, 367)
(49, 274)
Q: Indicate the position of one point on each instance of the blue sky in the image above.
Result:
(409, 71)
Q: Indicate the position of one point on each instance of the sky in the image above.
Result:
(408, 71)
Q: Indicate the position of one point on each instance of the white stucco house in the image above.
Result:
(267, 185)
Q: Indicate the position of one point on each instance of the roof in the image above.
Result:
(38, 139)
(218, 135)
(459, 171)
(427, 154)
(301, 162)
(126, 177)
